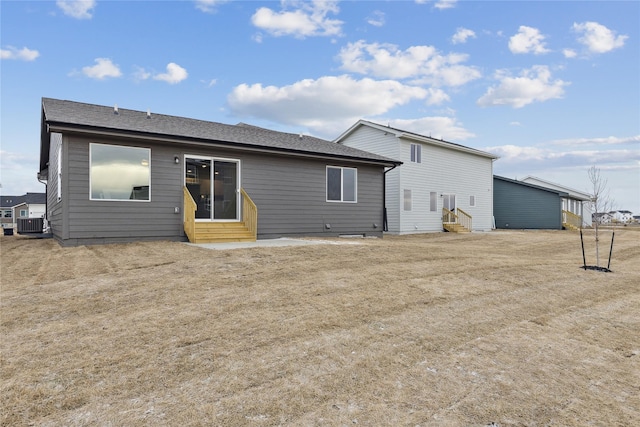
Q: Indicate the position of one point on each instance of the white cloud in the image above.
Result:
(436, 96)
(24, 54)
(513, 157)
(300, 19)
(440, 4)
(611, 140)
(446, 128)
(103, 69)
(528, 40)
(377, 18)
(569, 53)
(462, 34)
(445, 4)
(598, 38)
(141, 74)
(209, 6)
(533, 85)
(328, 104)
(175, 74)
(424, 63)
(79, 9)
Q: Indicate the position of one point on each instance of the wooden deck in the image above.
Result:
(460, 222)
(217, 231)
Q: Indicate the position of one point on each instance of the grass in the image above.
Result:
(437, 329)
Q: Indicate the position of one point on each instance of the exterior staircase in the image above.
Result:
(455, 228)
(245, 230)
(571, 221)
(222, 232)
(460, 222)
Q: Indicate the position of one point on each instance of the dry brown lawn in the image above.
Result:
(437, 329)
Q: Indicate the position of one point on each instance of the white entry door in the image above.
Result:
(449, 202)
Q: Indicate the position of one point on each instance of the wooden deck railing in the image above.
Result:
(462, 218)
(249, 213)
(465, 219)
(449, 217)
(571, 219)
(190, 208)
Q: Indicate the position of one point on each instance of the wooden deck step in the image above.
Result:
(222, 232)
(570, 227)
(455, 228)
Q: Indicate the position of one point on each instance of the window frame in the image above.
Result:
(407, 200)
(416, 153)
(472, 201)
(342, 186)
(91, 145)
(433, 201)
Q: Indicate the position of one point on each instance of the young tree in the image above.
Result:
(601, 202)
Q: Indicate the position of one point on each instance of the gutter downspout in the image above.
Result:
(385, 224)
(45, 223)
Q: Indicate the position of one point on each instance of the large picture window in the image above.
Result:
(342, 184)
(119, 173)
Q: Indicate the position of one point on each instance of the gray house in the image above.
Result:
(116, 175)
(520, 205)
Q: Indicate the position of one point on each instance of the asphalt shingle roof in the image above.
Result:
(29, 198)
(103, 118)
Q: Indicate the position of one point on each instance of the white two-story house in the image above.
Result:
(440, 185)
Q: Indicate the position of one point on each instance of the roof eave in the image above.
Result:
(146, 136)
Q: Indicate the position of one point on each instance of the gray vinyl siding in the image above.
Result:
(98, 221)
(290, 194)
(519, 206)
(291, 198)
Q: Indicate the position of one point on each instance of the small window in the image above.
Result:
(433, 201)
(7, 213)
(472, 201)
(24, 213)
(342, 184)
(119, 173)
(407, 200)
(416, 153)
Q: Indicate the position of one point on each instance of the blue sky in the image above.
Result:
(551, 87)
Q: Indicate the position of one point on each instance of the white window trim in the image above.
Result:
(433, 200)
(117, 200)
(355, 184)
(418, 153)
(404, 200)
(238, 177)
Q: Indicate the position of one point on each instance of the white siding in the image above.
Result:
(374, 141)
(442, 170)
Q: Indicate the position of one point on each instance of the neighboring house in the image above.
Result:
(520, 205)
(30, 205)
(116, 175)
(575, 202)
(603, 218)
(636, 218)
(621, 216)
(440, 184)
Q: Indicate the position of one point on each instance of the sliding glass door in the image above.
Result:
(214, 185)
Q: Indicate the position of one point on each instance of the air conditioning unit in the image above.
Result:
(30, 225)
